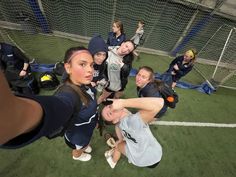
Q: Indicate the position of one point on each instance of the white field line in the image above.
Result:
(193, 124)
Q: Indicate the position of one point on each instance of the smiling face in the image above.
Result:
(143, 77)
(99, 57)
(125, 48)
(188, 56)
(80, 67)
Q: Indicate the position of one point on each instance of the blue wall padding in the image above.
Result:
(204, 87)
(192, 33)
(39, 16)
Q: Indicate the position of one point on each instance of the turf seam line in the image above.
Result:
(194, 124)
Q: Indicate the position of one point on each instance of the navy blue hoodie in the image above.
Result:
(97, 44)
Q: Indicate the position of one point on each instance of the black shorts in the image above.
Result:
(154, 165)
(70, 145)
(110, 91)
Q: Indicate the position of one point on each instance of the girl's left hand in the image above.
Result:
(22, 73)
(176, 67)
(117, 104)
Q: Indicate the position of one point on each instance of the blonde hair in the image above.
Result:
(194, 51)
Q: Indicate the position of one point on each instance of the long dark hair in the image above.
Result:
(67, 59)
(119, 24)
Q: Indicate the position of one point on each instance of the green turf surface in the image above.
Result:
(187, 151)
(44, 48)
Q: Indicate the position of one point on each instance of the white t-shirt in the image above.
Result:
(142, 149)
(114, 65)
(138, 35)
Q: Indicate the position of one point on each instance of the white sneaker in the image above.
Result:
(88, 149)
(83, 157)
(111, 162)
(111, 142)
(109, 153)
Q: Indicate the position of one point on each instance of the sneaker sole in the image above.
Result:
(78, 158)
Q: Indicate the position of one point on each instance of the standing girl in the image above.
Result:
(117, 70)
(138, 36)
(25, 119)
(182, 65)
(79, 67)
(98, 49)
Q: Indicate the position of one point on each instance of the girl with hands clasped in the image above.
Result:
(182, 65)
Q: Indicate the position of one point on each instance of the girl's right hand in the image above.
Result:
(117, 104)
(93, 84)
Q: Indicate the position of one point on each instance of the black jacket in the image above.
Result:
(12, 57)
(99, 72)
(183, 68)
(150, 90)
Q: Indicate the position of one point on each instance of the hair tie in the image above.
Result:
(77, 53)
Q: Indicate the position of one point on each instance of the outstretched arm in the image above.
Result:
(18, 115)
(148, 106)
